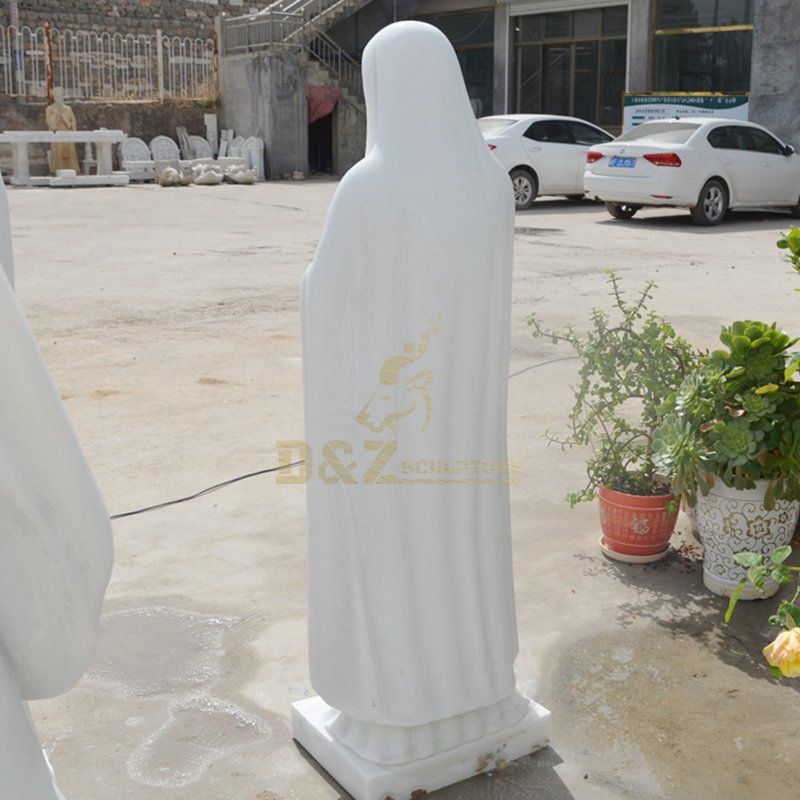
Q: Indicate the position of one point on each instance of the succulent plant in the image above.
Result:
(738, 415)
(735, 443)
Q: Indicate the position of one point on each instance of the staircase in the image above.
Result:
(334, 67)
(302, 25)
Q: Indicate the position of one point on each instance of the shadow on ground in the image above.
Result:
(670, 594)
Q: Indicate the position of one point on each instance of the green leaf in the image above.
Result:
(734, 600)
(757, 576)
(747, 559)
(791, 368)
(781, 575)
(775, 671)
(790, 611)
(780, 554)
(768, 388)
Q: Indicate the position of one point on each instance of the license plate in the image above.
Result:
(627, 163)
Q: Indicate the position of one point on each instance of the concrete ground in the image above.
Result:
(169, 319)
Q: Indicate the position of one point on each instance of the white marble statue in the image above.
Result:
(6, 251)
(405, 314)
(55, 547)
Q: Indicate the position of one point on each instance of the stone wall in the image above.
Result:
(193, 18)
(143, 120)
(774, 83)
(264, 94)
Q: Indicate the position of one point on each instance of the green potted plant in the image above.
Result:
(631, 360)
(783, 653)
(730, 439)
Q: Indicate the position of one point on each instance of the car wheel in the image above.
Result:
(524, 188)
(621, 210)
(795, 209)
(712, 205)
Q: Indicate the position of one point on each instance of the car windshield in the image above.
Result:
(491, 125)
(667, 132)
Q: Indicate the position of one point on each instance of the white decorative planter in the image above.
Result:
(732, 521)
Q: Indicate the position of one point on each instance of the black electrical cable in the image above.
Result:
(276, 469)
(205, 491)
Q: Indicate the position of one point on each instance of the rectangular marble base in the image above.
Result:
(368, 781)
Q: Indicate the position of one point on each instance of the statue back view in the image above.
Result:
(406, 306)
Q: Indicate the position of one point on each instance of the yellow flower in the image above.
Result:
(784, 653)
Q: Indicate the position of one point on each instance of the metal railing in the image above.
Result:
(307, 8)
(261, 31)
(105, 66)
(280, 27)
(320, 47)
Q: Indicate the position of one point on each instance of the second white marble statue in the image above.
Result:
(405, 312)
(55, 546)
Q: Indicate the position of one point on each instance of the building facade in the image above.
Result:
(574, 57)
(578, 57)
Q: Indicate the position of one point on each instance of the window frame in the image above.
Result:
(660, 33)
(571, 41)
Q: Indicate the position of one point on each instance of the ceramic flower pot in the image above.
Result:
(636, 528)
(734, 520)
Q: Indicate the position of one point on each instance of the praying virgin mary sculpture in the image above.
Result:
(405, 313)
(55, 547)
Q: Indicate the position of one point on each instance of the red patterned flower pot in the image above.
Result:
(634, 525)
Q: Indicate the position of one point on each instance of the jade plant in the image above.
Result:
(736, 417)
(631, 360)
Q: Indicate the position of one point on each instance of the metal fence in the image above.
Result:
(261, 31)
(106, 66)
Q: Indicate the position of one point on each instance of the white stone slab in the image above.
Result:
(115, 179)
(11, 137)
(365, 780)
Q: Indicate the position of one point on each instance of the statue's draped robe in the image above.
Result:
(63, 155)
(411, 610)
(55, 549)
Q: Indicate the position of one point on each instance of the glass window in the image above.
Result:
(529, 28)
(550, 130)
(762, 142)
(586, 23)
(557, 26)
(477, 66)
(465, 30)
(557, 68)
(586, 134)
(729, 137)
(717, 61)
(613, 63)
(585, 80)
(572, 63)
(703, 13)
(529, 79)
(615, 21)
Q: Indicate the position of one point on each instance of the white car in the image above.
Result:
(705, 165)
(543, 153)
